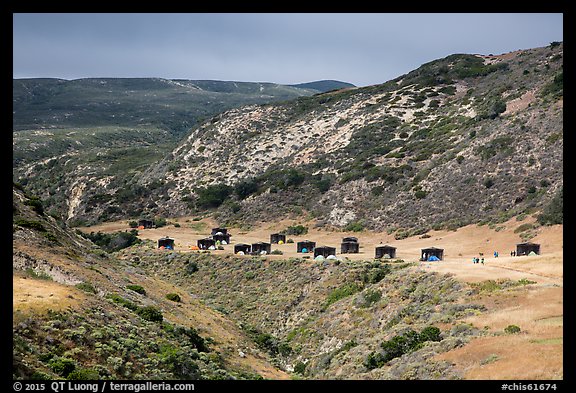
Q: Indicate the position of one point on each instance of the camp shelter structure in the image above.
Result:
(219, 237)
(276, 238)
(325, 251)
(146, 224)
(305, 245)
(350, 239)
(166, 242)
(381, 251)
(527, 247)
(217, 231)
(245, 248)
(349, 247)
(205, 243)
(434, 252)
(257, 248)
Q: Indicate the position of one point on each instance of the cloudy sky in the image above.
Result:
(362, 49)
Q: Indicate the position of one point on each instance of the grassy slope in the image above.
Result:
(65, 320)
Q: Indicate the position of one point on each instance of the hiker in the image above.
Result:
(482, 261)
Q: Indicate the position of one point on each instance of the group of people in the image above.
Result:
(481, 260)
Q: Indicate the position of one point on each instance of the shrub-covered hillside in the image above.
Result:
(326, 320)
(81, 313)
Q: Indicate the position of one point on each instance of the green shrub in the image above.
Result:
(267, 341)
(500, 144)
(555, 87)
(300, 368)
(371, 296)
(112, 242)
(525, 281)
(213, 196)
(174, 297)
(150, 313)
(137, 288)
(191, 267)
(553, 213)
(430, 333)
(354, 226)
(123, 302)
(377, 190)
(62, 366)
(295, 230)
(524, 227)
(340, 293)
(498, 107)
(401, 344)
(30, 224)
(512, 329)
(160, 222)
(375, 273)
(193, 337)
(323, 184)
(420, 194)
(84, 374)
(246, 188)
(86, 287)
(36, 205)
(488, 183)
(51, 237)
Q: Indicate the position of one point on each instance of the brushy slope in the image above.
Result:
(324, 320)
(114, 322)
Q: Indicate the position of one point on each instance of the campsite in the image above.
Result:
(458, 246)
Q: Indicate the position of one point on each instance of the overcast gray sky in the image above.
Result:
(362, 49)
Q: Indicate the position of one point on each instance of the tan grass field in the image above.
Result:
(42, 295)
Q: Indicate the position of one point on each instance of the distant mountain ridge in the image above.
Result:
(324, 85)
(170, 103)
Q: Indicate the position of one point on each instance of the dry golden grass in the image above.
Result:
(30, 295)
(533, 353)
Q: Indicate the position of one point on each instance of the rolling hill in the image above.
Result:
(66, 131)
(464, 139)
